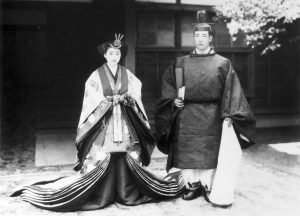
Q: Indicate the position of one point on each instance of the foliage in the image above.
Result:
(264, 22)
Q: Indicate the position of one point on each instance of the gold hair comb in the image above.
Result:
(117, 42)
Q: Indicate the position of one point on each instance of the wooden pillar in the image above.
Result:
(1, 75)
(251, 77)
(298, 62)
(130, 34)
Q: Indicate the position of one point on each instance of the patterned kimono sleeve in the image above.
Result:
(94, 107)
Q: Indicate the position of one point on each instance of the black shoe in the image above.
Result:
(192, 194)
(205, 191)
(221, 206)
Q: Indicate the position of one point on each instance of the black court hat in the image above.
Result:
(202, 24)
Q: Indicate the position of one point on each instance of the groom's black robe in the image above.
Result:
(191, 137)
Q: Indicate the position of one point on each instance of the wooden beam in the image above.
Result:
(149, 6)
(80, 1)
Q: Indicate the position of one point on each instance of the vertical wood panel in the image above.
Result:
(130, 35)
(1, 89)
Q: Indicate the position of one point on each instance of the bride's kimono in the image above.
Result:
(113, 139)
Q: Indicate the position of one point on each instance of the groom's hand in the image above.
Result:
(179, 103)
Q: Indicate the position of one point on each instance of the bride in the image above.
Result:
(113, 141)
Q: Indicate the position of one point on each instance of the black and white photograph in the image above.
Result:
(150, 107)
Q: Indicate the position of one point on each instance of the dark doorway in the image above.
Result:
(48, 53)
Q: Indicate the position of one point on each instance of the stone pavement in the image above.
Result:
(56, 147)
(268, 184)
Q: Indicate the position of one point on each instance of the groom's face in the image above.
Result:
(202, 39)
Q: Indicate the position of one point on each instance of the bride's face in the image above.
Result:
(112, 56)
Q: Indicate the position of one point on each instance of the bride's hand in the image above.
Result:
(116, 99)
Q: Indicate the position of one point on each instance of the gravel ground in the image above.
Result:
(268, 184)
(264, 187)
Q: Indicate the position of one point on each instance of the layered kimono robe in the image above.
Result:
(113, 140)
(115, 124)
(191, 136)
